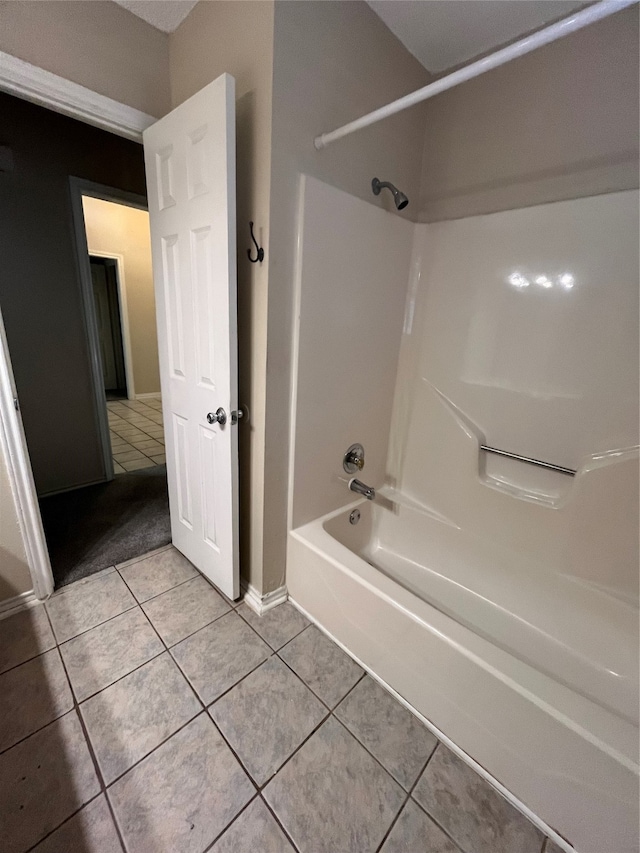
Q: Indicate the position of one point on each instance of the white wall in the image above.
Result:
(544, 372)
(117, 229)
(353, 266)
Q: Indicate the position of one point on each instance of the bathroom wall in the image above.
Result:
(525, 337)
(95, 43)
(237, 37)
(122, 230)
(559, 123)
(352, 270)
(332, 62)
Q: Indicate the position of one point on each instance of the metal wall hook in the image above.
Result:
(259, 250)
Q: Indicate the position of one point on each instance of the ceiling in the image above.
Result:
(165, 15)
(439, 33)
(444, 33)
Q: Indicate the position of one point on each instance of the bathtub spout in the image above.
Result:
(367, 491)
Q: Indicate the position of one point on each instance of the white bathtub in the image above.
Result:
(534, 676)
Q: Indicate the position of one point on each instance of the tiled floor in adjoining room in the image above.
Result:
(141, 710)
(137, 434)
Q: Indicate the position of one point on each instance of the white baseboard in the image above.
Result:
(462, 755)
(155, 394)
(261, 604)
(17, 603)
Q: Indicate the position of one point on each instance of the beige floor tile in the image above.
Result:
(183, 795)
(137, 464)
(266, 717)
(160, 459)
(87, 605)
(117, 468)
(32, 695)
(481, 820)
(148, 446)
(414, 830)
(391, 733)
(185, 609)
(278, 625)
(132, 717)
(218, 656)
(324, 667)
(43, 781)
(97, 658)
(128, 455)
(156, 573)
(333, 796)
(255, 829)
(91, 830)
(23, 636)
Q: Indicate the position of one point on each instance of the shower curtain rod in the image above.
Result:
(519, 48)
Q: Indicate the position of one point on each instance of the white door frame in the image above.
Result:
(34, 84)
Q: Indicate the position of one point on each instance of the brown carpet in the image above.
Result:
(90, 529)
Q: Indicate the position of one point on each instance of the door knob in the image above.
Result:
(219, 416)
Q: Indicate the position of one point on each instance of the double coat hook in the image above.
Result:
(259, 249)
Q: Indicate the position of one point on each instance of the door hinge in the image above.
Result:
(15, 404)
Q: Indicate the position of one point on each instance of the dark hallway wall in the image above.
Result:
(40, 292)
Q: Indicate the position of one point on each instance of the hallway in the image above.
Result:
(137, 433)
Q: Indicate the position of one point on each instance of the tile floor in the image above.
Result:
(137, 433)
(140, 710)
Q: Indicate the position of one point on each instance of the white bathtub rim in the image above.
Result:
(478, 768)
(308, 534)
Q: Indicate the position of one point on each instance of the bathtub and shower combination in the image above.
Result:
(497, 598)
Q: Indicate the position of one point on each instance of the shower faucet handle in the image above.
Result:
(353, 459)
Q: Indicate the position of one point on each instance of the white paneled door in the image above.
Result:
(190, 163)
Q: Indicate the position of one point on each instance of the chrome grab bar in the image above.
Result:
(529, 460)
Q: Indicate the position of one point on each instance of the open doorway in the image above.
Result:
(115, 238)
(77, 302)
(128, 516)
(104, 277)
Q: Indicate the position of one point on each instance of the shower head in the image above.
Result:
(400, 198)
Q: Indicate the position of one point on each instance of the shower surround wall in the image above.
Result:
(351, 280)
(499, 599)
(545, 369)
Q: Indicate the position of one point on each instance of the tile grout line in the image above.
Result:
(213, 722)
(446, 832)
(408, 797)
(157, 595)
(204, 709)
(219, 730)
(49, 722)
(229, 825)
(86, 631)
(275, 651)
(259, 788)
(279, 822)
(90, 748)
